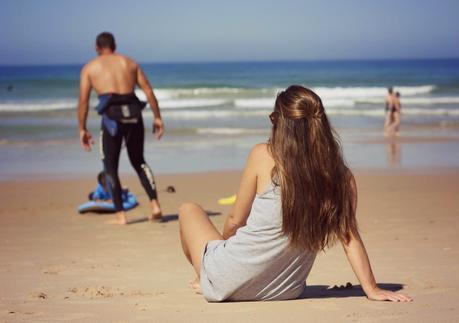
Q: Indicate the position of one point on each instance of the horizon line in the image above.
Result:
(249, 61)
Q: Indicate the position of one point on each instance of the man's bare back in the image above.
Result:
(389, 101)
(112, 74)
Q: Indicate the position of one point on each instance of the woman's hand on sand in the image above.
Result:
(158, 128)
(86, 140)
(378, 294)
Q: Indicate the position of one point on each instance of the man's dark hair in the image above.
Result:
(397, 94)
(106, 40)
(390, 89)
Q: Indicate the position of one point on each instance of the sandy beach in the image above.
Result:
(57, 265)
(180, 98)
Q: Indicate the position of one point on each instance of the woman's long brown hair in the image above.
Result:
(317, 194)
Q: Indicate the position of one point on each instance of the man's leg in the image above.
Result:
(110, 154)
(387, 121)
(394, 124)
(134, 139)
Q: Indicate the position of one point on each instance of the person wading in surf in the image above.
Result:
(389, 101)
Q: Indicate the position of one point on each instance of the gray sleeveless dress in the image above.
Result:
(257, 262)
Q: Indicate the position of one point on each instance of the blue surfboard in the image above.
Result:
(107, 207)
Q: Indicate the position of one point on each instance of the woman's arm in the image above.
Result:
(245, 195)
(358, 258)
(360, 263)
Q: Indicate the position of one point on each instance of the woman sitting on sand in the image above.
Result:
(267, 247)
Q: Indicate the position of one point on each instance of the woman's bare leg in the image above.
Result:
(196, 230)
(397, 122)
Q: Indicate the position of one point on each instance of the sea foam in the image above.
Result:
(254, 99)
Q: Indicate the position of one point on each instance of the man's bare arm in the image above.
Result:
(83, 103)
(142, 81)
(83, 106)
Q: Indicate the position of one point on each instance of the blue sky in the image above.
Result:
(52, 31)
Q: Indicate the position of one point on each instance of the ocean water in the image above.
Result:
(214, 113)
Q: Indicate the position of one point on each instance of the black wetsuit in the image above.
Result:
(113, 132)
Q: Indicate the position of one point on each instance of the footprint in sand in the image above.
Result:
(94, 292)
(390, 315)
(53, 270)
(38, 295)
(107, 292)
(20, 312)
(140, 307)
(428, 287)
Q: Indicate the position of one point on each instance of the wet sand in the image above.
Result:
(57, 265)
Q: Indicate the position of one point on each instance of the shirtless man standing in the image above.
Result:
(114, 78)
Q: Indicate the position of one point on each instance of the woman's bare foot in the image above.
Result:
(156, 214)
(195, 285)
(120, 219)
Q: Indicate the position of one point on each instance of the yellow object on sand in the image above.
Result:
(227, 200)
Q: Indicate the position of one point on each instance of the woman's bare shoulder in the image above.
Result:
(260, 159)
(260, 151)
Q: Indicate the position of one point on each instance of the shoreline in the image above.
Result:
(430, 150)
(131, 176)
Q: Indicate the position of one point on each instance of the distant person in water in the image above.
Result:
(397, 114)
(389, 101)
(393, 116)
(114, 78)
(296, 198)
